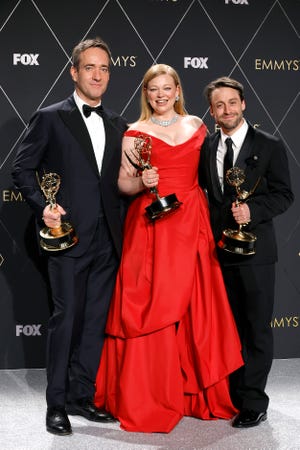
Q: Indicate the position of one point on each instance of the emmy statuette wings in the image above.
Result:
(140, 160)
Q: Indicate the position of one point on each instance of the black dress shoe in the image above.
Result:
(85, 407)
(57, 421)
(248, 418)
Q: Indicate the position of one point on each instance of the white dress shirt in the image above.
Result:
(237, 141)
(96, 130)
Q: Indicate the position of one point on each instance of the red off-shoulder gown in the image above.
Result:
(171, 338)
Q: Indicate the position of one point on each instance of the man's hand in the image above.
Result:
(52, 217)
(241, 213)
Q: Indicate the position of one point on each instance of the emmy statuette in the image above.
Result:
(238, 241)
(140, 159)
(62, 237)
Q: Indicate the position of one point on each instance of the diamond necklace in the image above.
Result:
(164, 123)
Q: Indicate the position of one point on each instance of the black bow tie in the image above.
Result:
(87, 110)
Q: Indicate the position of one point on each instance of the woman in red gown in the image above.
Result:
(171, 339)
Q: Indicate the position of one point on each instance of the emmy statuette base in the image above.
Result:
(54, 240)
(162, 206)
(238, 242)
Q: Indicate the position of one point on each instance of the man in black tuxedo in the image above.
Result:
(84, 148)
(249, 278)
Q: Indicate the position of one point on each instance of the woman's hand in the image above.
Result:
(150, 177)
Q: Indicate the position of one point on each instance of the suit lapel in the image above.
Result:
(72, 118)
(246, 149)
(213, 167)
(248, 160)
(108, 140)
(112, 139)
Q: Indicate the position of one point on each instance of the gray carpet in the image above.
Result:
(22, 421)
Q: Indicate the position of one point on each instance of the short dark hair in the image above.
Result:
(223, 82)
(84, 45)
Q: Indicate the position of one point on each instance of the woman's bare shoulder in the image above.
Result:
(193, 120)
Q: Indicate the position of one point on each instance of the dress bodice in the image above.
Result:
(177, 164)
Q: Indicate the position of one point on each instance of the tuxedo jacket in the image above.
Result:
(57, 140)
(264, 160)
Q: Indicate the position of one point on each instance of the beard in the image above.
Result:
(232, 124)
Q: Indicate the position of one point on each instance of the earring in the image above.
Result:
(176, 98)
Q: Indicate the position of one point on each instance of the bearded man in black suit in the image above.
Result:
(249, 278)
(83, 146)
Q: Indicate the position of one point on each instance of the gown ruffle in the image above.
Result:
(171, 338)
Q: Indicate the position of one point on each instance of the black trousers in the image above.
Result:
(81, 292)
(251, 295)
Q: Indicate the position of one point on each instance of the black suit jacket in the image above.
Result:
(263, 157)
(57, 140)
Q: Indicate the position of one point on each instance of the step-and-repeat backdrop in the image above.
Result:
(254, 41)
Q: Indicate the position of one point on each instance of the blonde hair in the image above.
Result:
(153, 72)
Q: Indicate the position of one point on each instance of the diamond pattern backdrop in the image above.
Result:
(255, 41)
